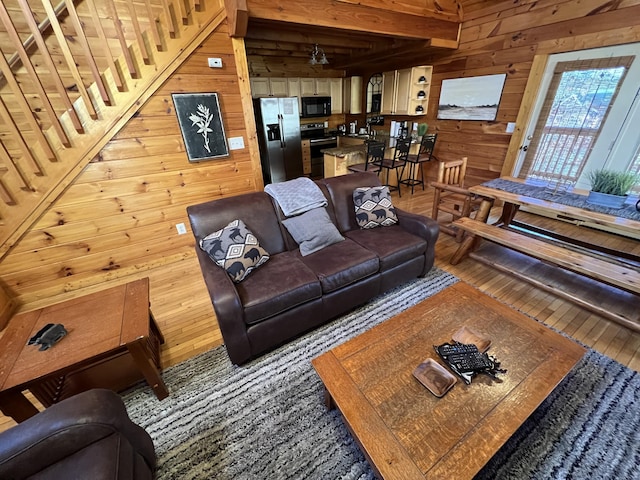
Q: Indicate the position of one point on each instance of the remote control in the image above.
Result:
(466, 361)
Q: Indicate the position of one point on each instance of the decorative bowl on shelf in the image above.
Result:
(421, 94)
(422, 79)
(419, 109)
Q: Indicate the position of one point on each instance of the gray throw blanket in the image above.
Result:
(296, 196)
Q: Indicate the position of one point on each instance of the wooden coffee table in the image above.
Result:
(408, 433)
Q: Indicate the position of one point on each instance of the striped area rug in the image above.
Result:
(267, 419)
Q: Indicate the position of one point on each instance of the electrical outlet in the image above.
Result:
(215, 62)
(181, 228)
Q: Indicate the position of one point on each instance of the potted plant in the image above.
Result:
(609, 188)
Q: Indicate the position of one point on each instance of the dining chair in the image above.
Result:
(396, 163)
(452, 197)
(415, 162)
(375, 155)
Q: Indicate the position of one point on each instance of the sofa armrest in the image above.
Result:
(423, 227)
(419, 225)
(228, 308)
(66, 428)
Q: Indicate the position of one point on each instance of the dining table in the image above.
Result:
(515, 194)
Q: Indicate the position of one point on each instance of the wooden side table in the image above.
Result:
(112, 342)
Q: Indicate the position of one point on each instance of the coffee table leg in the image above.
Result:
(16, 406)
(146, 365)
(328, 400)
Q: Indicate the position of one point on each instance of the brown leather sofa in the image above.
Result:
(87, 436)
(291, 294)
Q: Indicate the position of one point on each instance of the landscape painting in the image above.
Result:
(473, 98)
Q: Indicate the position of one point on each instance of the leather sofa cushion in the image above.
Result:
(254, 209)
(393, 245)
(279, 285)
(340, 190)
(342, 264)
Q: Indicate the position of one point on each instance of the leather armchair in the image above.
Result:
(85, 436)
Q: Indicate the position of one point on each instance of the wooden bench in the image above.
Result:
(597, 268)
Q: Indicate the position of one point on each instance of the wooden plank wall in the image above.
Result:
(117, 220)
(7, 307)
(503, 37)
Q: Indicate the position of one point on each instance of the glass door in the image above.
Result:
(580, 117)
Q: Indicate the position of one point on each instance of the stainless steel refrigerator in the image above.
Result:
(278, 125)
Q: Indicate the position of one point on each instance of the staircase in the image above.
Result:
(77, 73)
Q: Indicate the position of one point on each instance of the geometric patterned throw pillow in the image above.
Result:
(235, 249)
(373, 207)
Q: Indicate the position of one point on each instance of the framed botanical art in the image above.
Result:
(201, 125)
(472, 98)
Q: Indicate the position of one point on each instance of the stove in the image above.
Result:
(315, 132)
(319, 140)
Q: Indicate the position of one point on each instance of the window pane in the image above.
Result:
(572, 122)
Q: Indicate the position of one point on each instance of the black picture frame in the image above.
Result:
(201, 125)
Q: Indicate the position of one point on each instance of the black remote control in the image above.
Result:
(466, 360)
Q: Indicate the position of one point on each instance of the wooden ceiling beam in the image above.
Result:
(285, 33)
(396, 54)
(301, 48)
(338, 14)
(237, 17)
(444, 9)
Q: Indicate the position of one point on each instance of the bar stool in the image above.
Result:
(425, 154)
(397, 162)
(375, 155)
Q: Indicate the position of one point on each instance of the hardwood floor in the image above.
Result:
(181, 305)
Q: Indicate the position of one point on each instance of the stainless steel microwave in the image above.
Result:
(316, 107)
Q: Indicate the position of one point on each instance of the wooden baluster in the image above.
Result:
(28, 43)
(182, 11)
(81, 38)
(168, 18)
(95, 17)
(53, 71)
(153, 25)
(136, 28)
(68, 56)
(26, 63)
(17, 169)
(5, 194)
(131, 65)
(31, 119)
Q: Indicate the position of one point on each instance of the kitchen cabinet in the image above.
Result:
(388, 103)
(269, 87)
(406, 91)
(315, 86)
(335, 86)
(353, 95)
(293, 87)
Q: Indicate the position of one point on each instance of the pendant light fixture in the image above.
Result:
(318, 52)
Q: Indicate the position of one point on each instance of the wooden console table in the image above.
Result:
(112, 342)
